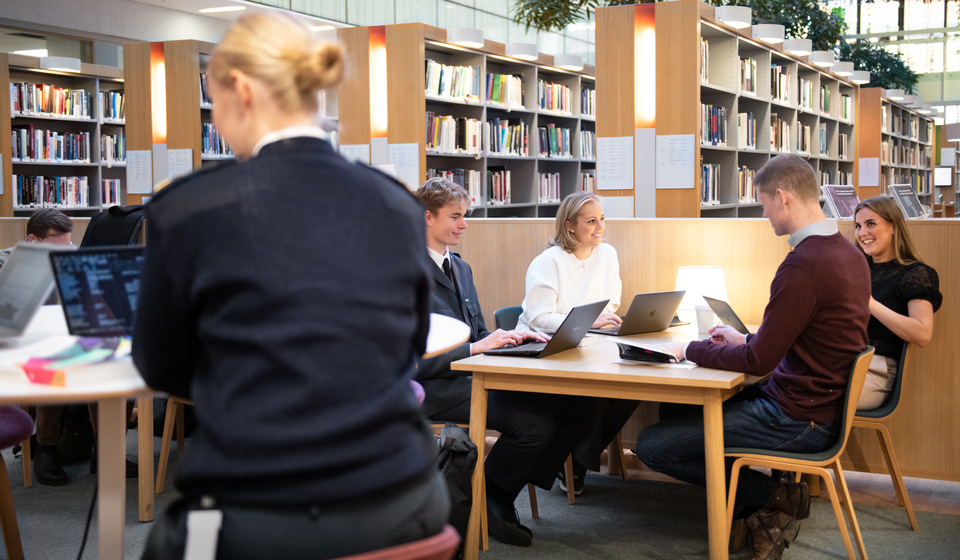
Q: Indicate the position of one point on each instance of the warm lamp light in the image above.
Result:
(798, 47)
(823, 59)
(860, 77)
(737, 17)
(61, 63)
(523, 51)
(699, 281)
(645, 66)
(895, 94)
(568, 62)
(158, 93)
(771, 33)
(465, 37)
(843, 68)
(378, 81)
(952, 132)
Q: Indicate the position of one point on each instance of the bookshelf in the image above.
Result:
(897, 139)
(743, 102)
(62, 137)
(947, 154)
(518, 135)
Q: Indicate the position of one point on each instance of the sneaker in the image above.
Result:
(577, 482)
(772, 531)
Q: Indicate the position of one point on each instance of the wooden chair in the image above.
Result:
(15, 425)
(814, 463)
(873, 420)
(172, 417)
(441, 546)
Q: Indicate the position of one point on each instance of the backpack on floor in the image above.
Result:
(456, 460)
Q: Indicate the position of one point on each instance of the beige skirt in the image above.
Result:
(879, 383)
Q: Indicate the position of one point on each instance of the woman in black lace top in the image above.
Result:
(905, 293)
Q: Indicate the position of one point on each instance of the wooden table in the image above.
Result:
(597, 371)
(111, 415)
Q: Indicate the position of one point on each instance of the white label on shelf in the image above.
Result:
(356, 152)
(406, 160)
(615, 163)
(179, 162)
(139, 174)
(868, 172)
(948, 157)
(675, 166)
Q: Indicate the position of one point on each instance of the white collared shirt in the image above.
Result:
(825, 227)
(439, 258)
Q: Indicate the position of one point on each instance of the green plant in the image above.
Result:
(887, 70)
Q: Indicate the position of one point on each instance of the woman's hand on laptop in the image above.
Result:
(607, 319)
(726, 335)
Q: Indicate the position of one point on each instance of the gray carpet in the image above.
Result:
(639, 519)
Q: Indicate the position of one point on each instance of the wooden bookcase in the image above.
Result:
(901, 139)
(943, 148)
(701, 71)
(84, 148)
(415, 50)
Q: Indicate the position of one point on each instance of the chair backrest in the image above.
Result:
(507, 317)
(890, 405)
(438, 547)
(118, 225)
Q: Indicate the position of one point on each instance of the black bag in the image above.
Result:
(76, 434)
(456, 461)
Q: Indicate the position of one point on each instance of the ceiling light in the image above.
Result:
(221, 9)
(860, 77)
(823, 59)
(31, 52)
(737, 17)
(907, 100)
(798, 47)
(568, 61)
(895, 94)
(843, 68)
(61, 63)
(771, 33)
(953, 132)
(523, 51)
(465, 37)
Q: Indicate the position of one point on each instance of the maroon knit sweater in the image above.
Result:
(813, 328)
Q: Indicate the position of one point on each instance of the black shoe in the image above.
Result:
(46, 466)
(504, 524)
(133, 470)
(579, 475)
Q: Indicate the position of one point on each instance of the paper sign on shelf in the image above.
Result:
(139, 172)
(675, 165)
(615, 163)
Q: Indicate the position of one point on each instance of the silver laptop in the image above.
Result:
(726, 315)
(25, 284)
(649, 312)
(567, 337)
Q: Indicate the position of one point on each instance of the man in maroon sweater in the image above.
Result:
(814, 326)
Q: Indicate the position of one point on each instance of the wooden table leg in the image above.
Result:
(145, 456)
(716, 477)
(111, 477)
(477, 526)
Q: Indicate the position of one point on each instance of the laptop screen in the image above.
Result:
(25, 283)
(99, 288)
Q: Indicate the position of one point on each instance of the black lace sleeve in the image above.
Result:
(920, 281)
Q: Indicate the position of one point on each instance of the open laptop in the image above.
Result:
(568, 336)
(25, 285)
(649, 312)
(99, 288)
(726, 315)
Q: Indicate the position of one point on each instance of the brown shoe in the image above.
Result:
(793, 499)
(772, 531)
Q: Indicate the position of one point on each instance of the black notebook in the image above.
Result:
(640, 352)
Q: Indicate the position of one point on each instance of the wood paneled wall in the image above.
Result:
(499, 250)
(14, 230)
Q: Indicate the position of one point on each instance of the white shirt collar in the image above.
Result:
(825, 227)
(438, 257)
(289, 132)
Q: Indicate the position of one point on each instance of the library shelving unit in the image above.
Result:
(950, 150)
(742, 100)
(901, 139)
(186, 116)
(62, 137)
(519, 135)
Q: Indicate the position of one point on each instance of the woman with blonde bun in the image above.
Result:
(287, 294)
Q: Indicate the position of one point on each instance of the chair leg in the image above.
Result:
(737, 536)
(886, 444)
(835, 502)
(26, 458)
(568, 475)
(8, 516)
(615, 464)
(168, 420)
(532, 490)
(732, 494)
(179, 407)
(851, 516)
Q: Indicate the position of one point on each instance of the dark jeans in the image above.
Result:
(537, 432)
(398, 515)
(675, 446)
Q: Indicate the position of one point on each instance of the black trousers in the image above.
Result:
(537, 432)
(406, 513)
(610, 416)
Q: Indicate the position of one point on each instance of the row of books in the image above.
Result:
(111, 106)
(822, 134)
(746, 131)
(554, 97)
(588, 144)
(748, 75)
(548, 187)
(110, 192)
(113, 148)
(824, 99)
(704, 61)
(469, 179)
(47, 99)
(806, 94)
(451, 135)
(502, 137)
(713, 125)
(846, 107)
(709, 183)
(745, 191)
(498, 185)
(588, 182)
(779, 134)
(804, 137)
(505, 89)
(211, 143)
(904, 154)
(35, 144)
(30, 191)
(844, 146)
(554, 141)
(204, 91)
(454, 82)
(588, 102)
(780, 83)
